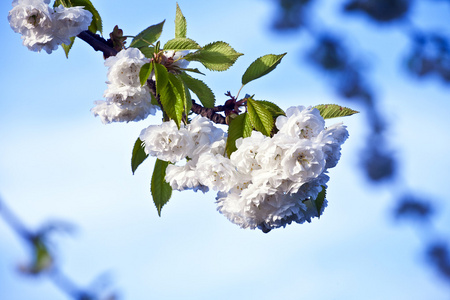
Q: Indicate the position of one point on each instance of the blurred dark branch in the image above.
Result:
(429, 56)
(43, 263)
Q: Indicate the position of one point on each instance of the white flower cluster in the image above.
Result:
(268, 181)
(43, 27)
(194, 142)
(126, 100)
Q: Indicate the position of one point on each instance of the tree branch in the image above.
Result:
(98, 43)
(209, 113)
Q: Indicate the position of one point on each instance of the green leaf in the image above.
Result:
(239, 127)
(148, 36)
(181, 44)
(138, 156)
(187, 101)
(319, 201)
(160, 189)
(260, 117)
(147, 51)
(145, 72)
(328, 111)
(198, 87)
(217, 56)
(162, 76)
(154, 101)
(61, 2)
(180, 24)
(68, 47)
(261, 67)
(96, 24)
(192, 70)
(274, 109)
(173, 98)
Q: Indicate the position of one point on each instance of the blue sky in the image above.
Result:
(57, 161)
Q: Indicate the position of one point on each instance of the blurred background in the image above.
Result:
(384, 234)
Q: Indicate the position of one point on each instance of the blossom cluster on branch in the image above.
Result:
(267, 182)
(269, 168)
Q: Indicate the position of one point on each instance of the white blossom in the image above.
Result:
(244, 158)
(301, 122)
(303, 161)
(42, 27)
(33, 20)
(117, 108)
(69, 22)
(331, 140)
(126, 100)
(166, 141)
(183, 177)
(204, 135)
(216, 172)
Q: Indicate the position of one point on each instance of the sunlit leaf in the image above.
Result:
(160, 189)
(68, 47)
(261, 67)
(138, 156)
(161, 75)
(145, 72)
(147, 51)
(240, 126)
(173, 98)
(181, 44)
(217, 56)
(260, 117)
(148, 36)
(328, 111)
(274, 109)
(319, 201)
(180, 24)
(198, 87)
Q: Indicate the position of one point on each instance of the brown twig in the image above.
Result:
(98, 43)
